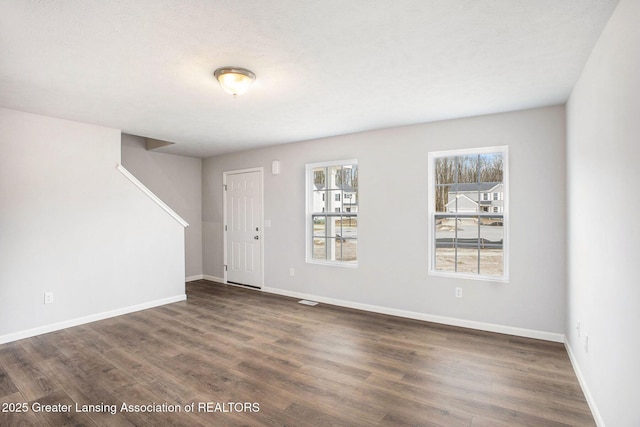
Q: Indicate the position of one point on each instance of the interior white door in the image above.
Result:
(244, 228)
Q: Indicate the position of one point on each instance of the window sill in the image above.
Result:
(333, 263)
(454, 275)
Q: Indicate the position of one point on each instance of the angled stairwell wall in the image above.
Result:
(71, 223)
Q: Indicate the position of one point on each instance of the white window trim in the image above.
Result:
(309, 213)
(504, 149)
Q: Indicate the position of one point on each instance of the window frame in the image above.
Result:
(309, 213)
(432, 156)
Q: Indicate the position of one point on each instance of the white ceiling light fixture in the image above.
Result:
(234, 80)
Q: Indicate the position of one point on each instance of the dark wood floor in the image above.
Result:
(299, 365)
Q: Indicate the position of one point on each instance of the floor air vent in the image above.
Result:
(307, 302)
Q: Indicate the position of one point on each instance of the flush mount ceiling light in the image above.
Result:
(234, 80)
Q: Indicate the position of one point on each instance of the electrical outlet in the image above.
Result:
(458, 292)
(291, 271)
(48, 297)
(586, 343)
(578, 328)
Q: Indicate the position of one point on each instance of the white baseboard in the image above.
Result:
(451, 321)
(15, 336)
(213, 278)
(583, 384)
(194, 278)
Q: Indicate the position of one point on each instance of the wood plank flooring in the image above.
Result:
(267, 360)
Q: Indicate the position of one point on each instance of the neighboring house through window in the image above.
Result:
(468, 209)
(332, 213)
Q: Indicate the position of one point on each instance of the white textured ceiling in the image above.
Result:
(324, 67)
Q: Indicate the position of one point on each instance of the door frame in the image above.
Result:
(224, 220)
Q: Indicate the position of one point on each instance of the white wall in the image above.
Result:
(177, 181)
(72, 224)
(393, 232)
(603, 116)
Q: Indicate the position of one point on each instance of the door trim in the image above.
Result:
(224, 222)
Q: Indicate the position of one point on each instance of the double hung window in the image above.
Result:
(468, 235)
(332, 213)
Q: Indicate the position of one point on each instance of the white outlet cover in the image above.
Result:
(48, 297)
